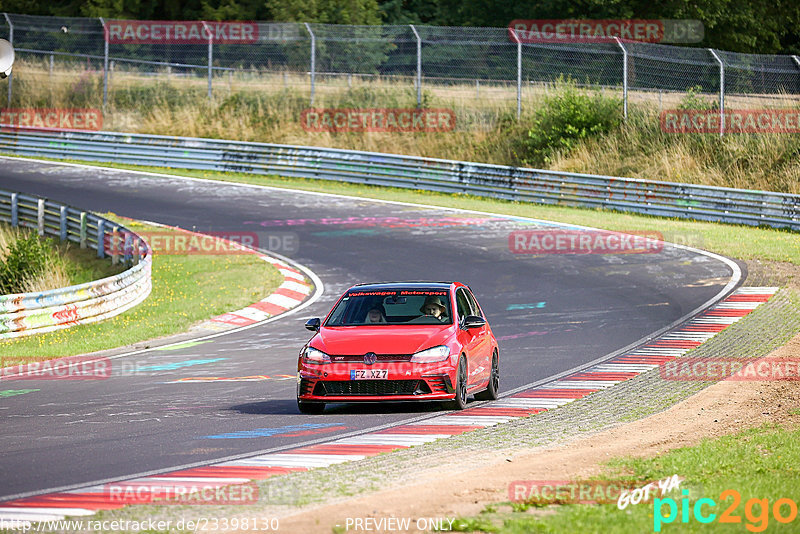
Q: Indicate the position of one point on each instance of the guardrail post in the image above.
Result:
(62, 218)
(40, 205)
(105, 63)
(721, 92)
(114, 245)
(14, 209)
(419, 66)
(136, 253)
(210, 56)
(624, 78)
(101, 235)
(83, 230)
(313, 59)
(11, 74)
(127, 250)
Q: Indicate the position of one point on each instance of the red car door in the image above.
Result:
(485, 343)
(474, 341)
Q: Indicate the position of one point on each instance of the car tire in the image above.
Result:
(311, 408)
(490, 393)
(460, 400)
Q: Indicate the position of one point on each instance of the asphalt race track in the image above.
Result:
(550, 313)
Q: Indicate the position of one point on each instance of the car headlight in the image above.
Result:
(434, 354)
(313, 355)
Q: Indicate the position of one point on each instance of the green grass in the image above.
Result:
(736, 241)
(186, 290)
(759, 463)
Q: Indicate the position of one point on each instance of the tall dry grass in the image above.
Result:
(267, 108)
(55, 269)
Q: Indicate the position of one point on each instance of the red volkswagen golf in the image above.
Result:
(399, 342)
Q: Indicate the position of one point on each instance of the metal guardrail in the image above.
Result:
(667, 199)
(32, 313)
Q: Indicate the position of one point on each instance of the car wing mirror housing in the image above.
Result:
(313, 324)
(473, 321)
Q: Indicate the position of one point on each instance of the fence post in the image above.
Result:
(105, 63)
(40, 205)
(515, 35)
(624, 78)
(721, 92)
(14, 209)
(210, 56)
(62, 219)
(313, 59)
(796, 60)
(419, 66)
(11, 74)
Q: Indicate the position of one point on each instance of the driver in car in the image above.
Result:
(433, 306)
(375, 315)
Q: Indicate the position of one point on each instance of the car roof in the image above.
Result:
(387, 286)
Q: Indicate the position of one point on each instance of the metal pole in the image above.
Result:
(419, 66)
(624, 78)
(11, 74)
(721, 92)
(519, 72)
(313, 59)
(105, 64)
(796, 60)
(210, 56)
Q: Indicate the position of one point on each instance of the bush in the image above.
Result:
(567, 117)
(694, 99)
(25, 258)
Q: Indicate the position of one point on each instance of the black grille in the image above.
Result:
(371, 387)
(305, 386)
(440, 384)
(380, 357)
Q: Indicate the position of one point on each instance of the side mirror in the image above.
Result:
(313, 324)
(473, 321)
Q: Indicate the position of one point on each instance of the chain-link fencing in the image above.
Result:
(475, 69)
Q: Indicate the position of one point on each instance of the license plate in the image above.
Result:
(369, 374)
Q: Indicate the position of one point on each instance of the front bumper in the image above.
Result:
(404, 382)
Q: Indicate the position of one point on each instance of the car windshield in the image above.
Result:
(392, 307)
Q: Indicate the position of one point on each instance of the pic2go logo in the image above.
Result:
(756, 511)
